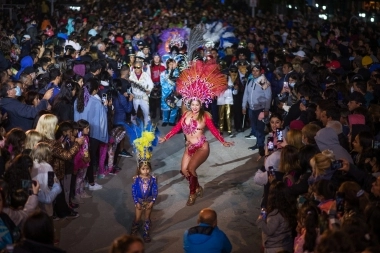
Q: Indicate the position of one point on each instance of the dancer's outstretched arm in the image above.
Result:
(173, 131)
(215, 132)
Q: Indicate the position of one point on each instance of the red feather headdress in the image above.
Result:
(201, 81)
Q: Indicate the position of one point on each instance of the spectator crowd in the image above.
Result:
(307, 89)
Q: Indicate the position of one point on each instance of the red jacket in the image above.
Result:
(155, 71)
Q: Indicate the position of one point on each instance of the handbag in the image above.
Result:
(261, 177)
(172, 100)
(156, 92)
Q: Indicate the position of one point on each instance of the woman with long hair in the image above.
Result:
(307, 229)
(289, 165)
(47, 125)
(355, 199)
(361, 144)
(279, 221)
(15, 142)
(89, 106)
(193, 122)
(63, 104)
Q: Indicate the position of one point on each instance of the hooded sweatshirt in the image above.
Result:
(327, 138)
(204, 238)
(27, 61)
(69, 26)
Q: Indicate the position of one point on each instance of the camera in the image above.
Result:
(337, 164)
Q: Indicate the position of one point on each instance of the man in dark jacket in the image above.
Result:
(206, 237)
(19, 114)
(31, 29)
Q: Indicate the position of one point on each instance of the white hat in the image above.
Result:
(140, 55)
(75, 45)
(26, 36)
(300, 54)
(104, 83)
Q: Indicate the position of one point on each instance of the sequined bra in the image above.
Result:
(190, 128)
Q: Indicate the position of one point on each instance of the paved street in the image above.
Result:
(227, 178)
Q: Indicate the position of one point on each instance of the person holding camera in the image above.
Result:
(19, 114)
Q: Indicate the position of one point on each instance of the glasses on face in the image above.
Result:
(137, 67)
(233, 71)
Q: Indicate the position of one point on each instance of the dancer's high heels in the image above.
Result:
(191, 200)
(199, 192)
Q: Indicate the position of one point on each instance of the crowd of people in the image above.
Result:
(74, 81)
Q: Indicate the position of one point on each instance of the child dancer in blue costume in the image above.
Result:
(144, 187)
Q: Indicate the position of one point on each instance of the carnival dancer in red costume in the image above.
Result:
(197, 84)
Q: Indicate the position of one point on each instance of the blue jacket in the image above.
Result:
(19, 114)
(96, 114)
(197, 240)
(121, 106)
(167, 87)
(27, 61)
(49, 86)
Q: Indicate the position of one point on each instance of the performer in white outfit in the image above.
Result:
(142, 85)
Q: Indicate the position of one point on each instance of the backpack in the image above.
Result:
(289, 178)
(13, 229)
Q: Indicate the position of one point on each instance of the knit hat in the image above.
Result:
(4, 63)
(333, 64)
(356, 77)
(29, 70)
(356, 119)
(300, 54)
(296, 125)
(331, 79)
(367, 61)
(357, 96)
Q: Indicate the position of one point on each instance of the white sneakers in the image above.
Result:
(95, 187)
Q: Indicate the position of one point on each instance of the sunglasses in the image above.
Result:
(137, 67)
(233, 71)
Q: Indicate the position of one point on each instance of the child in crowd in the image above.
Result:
(14, 142)
(40, 173)
(116, 136)
(324, 194)
(33, 137)
(82, 161)
(307, 229)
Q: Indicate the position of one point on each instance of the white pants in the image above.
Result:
(144, 105)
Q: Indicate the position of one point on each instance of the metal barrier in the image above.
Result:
(7, 9)
(10, 8)
(18, 6)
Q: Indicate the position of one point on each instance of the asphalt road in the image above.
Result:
(227, 178)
